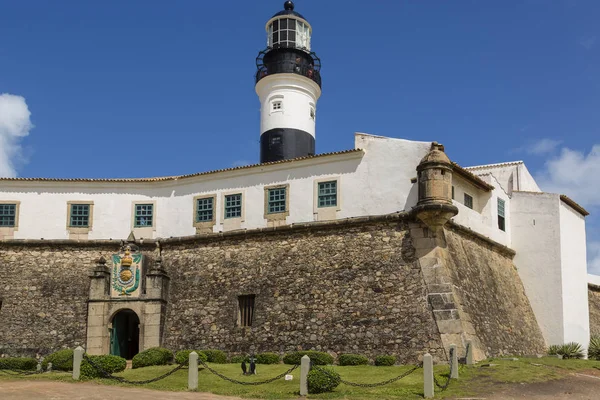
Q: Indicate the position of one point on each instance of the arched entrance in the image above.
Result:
(125, 334)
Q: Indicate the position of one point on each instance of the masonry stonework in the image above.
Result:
(594, 301)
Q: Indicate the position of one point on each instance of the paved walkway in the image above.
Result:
(48, 390)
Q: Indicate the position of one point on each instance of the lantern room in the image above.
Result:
(288, 29)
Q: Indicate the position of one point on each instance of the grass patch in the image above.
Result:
(474, 380)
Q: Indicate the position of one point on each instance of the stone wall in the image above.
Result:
(490, 295)
(594, 301)
(338, 288)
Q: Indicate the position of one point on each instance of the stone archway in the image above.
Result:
(125, 334)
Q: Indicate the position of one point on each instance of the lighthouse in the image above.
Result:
(288, 84)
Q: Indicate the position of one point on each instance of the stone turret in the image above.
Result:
(435, 206)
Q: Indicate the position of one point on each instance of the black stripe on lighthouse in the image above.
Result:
(285, 144)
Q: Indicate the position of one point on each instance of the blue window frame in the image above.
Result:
(276, 202)
(8, 214)
(233, 206)
(79, 216)
(205, 209)
(144, 214)
(328, 194)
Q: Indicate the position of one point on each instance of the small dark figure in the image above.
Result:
(252, 365)
(244, 371)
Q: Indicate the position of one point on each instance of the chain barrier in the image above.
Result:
(445, 385)
(108, 375)
(220, 375)
(372, 385)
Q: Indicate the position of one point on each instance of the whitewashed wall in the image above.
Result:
(574, 276)
(511, 176)
(594, 279)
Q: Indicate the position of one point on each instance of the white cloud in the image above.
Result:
(15, 124)
(543, 146)
(588, 42)
(577, 174)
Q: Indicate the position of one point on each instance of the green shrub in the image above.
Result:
(216, 356)
(567, 350)
(385, 361)
(18, 363)
(322, 379)
(594, 348)
(108, 363)
(183, 356)
(153, 356)
(239, 359)
(317, 357)
(61, 360)
(352, 359)
(267, 358)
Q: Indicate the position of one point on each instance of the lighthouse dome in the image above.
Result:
(289, 10)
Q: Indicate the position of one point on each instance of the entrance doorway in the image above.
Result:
(125, 334)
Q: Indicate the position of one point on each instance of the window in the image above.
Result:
(8, 214)
(246, 309)
(143, 215)
(501, 215)
(233, 206)
(468, 201)
(277, 105)
(328, 194)
(79, 216)
(205, 209)
(452, 192)
(312, 113)
(288, 32)
(276, 202)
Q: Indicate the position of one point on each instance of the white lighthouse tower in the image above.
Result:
(288, 84)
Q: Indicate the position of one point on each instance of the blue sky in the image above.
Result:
(146, 88)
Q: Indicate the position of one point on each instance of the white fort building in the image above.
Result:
(293, 184)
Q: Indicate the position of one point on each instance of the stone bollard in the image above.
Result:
(193, 371)
(454, 361)
(428, 389)
(49, 367)
(304, 369)
(77, 358)
(39, 367)
(469, 352)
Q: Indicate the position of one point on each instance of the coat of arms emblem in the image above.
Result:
(126, 273)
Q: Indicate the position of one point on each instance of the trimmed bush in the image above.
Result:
(352, 359)
(216, 356)
(239, 359)
(594, 348)
(323, 379)
(108, 363)
(153, 356)
(567, 350)
(267, 358)
(183, 356)
(385, 361)
(61, 360)
(317, 357)
(18, 363)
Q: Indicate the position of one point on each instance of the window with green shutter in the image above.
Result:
(277, 200)
(79, 216)
(144, 214)
(468, 201)
(327, 194)
(501, 215)
(205, 209)
(8, 214)
(233, 206)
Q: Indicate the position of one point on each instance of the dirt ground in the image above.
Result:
(573, 387)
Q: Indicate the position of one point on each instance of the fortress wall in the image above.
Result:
(490, 295)
(594, 301)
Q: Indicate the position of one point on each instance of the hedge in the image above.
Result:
(108, 363)
(18, 363)
(267, 358)
(216, 356)
(239, 359)
(352, 359)
(183, 356)
(317, 357)
(323, 379)
(153, 356)
(61, 360)
(385, 361)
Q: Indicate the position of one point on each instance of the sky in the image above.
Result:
(149, 88)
